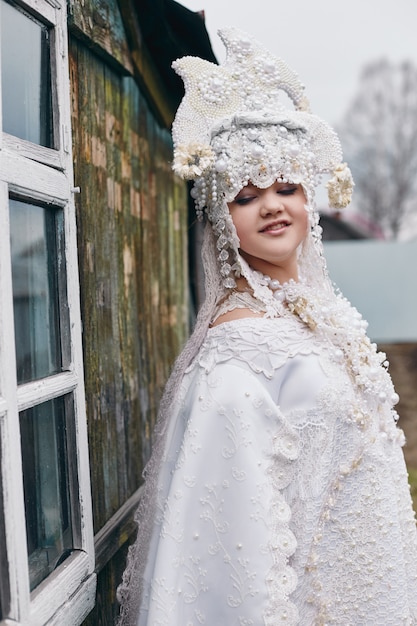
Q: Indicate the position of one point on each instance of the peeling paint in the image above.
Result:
(128, 267)
(89, 247)
(114, 195)
(98, 152)
(126, 166)
(135, 202)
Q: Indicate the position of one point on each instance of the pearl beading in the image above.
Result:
(250, 83)
(232, 128)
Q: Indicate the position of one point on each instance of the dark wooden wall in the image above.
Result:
(132, 246)
(132, 241)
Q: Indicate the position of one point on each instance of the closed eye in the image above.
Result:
(287, 191)
(244, 200)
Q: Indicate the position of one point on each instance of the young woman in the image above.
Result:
(277, 491)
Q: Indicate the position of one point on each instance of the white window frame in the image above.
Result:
(41, 174)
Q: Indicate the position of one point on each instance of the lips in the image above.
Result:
(275, 226)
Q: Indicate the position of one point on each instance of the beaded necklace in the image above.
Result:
(343, 327)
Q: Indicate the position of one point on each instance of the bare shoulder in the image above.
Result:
(236, 314)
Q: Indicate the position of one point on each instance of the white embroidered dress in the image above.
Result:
(283, 497)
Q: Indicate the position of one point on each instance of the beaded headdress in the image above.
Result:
(233, 127)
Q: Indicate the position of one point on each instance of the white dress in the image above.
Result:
(284, 496)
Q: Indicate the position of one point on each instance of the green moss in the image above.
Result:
(412, 473)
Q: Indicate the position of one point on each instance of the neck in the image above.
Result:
(275, 284)
(283, 273)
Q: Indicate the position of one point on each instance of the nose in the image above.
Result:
(271, 203)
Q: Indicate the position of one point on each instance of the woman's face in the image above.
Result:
(271, 223)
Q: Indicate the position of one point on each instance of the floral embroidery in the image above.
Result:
(192, 160)
(340, 187)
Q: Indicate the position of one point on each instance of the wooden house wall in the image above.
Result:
(132, 240)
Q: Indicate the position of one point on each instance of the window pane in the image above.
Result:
(36, 233)
(46, 487)
(25, 76)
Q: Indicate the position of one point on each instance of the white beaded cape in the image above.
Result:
(283, 496)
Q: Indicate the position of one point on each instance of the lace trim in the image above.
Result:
(282, 579)
(264, 345)
(239, 300)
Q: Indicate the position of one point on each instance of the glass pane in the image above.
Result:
(25, 76)
(35, 234)
(46, 487)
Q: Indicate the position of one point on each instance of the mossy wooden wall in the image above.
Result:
(132, 246)
(132, 240)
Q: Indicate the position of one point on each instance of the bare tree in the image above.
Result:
(379, 135)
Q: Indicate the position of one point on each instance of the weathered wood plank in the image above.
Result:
(117, 531)
(30, 151)
(61, 584)
(26, 176)
(101, 26)
(132, 236)
(38, 391)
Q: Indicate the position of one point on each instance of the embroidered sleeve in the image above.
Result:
(223, 535)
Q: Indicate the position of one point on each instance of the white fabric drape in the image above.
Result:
(280, 499)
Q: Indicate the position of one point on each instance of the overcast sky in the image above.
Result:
(326, 41)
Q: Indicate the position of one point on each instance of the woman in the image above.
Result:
(277, 491)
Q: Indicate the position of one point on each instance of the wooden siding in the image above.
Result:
(99, 23)
(132, 237)
(106, 26)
